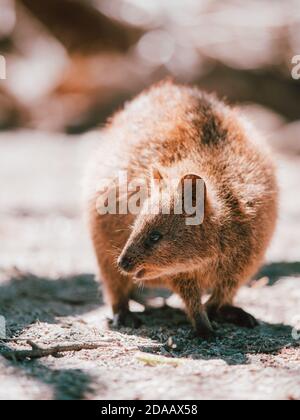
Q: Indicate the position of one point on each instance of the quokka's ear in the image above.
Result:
(157, 179)
(156, 174)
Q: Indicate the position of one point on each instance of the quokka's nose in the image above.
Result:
(125, 263)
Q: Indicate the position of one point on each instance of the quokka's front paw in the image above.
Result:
(232, 315)
(125, 319)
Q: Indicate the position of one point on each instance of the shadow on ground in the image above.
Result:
(277, 271)
(24, 300)
(66, 384)
(233, 345)
(27, 299)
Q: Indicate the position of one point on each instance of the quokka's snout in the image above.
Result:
(126, 263)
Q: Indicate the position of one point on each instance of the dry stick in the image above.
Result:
(27, 339)
(37, 352)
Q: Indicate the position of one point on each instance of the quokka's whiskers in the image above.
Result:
(121, 230)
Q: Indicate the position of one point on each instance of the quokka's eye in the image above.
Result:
(155, 237)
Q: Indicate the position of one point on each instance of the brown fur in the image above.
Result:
(176, 131)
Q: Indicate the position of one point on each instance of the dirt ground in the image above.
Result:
(48, 293)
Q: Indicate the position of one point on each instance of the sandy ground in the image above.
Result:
(48, 293)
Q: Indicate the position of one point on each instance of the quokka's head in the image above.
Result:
(173, 231)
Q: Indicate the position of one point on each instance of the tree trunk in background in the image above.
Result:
(12, 114)
(264, 87)
(80, 27)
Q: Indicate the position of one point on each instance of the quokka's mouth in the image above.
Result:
(140, 274)
(145, 274)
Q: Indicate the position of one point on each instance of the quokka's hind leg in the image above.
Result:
(220, 307)
(190, 292)
(233, 315)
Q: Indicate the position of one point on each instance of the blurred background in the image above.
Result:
(71, 63)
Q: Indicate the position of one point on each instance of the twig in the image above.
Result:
(13, 340)
(38, 352)
(154, 360)
(27, 339)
